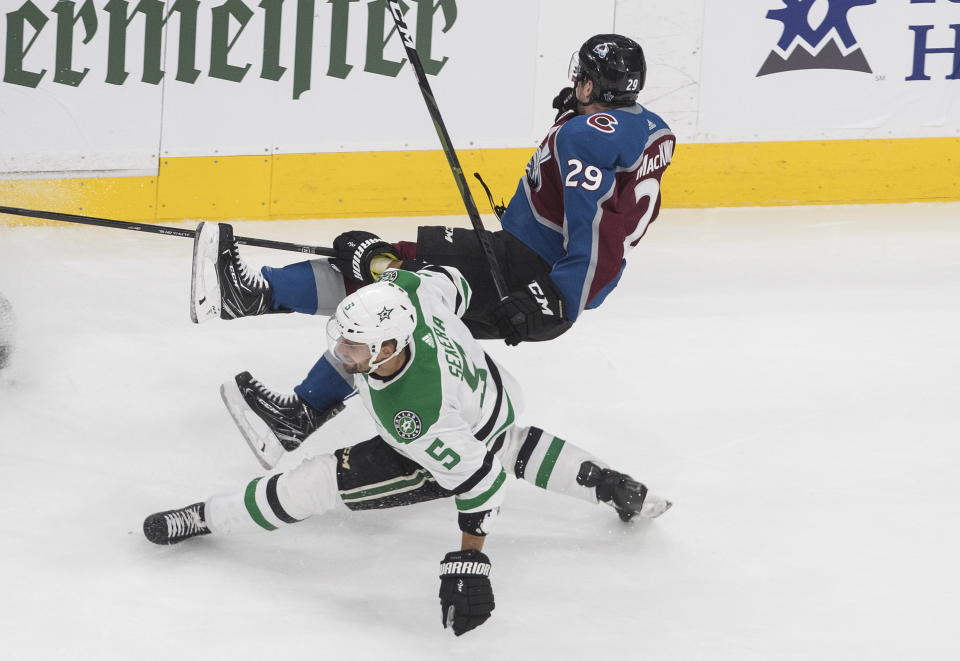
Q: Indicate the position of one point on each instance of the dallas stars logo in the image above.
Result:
(407, 424)
(385, 313)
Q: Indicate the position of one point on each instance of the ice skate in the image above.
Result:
(222, 285)
(270, 422)
(174, 526)
(627, 496)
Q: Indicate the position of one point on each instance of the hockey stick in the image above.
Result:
(452, 159)
(161, 229)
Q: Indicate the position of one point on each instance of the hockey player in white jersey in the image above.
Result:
(446, 416)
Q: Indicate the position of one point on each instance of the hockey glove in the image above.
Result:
(355, 251)
(522, 314)
(466, 597)
(564, 101)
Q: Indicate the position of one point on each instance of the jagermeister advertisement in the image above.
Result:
(141, 27)
(114, 85)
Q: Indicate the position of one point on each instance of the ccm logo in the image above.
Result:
(401, 24)
(540, 297)
(603, 122)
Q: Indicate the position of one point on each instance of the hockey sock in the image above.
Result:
(274, 501)
(243, 511)
(551, 463)
(311, 287)
(324, 386)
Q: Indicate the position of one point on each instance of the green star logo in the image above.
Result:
(385, 313)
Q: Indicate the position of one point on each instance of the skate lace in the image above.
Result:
(276, 398)
(184, 522)
(253, 278)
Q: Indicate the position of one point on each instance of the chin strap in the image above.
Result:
(401, 350)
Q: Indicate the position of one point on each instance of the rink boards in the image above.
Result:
(376, 184)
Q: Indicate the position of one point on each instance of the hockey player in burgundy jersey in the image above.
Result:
(589, 194)
(593, 186)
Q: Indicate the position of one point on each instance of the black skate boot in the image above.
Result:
(622, 492)
(222, 284)
(174, 526)
(270, 422)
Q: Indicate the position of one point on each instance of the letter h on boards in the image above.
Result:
(921, 50)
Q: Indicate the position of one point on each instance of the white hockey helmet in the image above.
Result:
(368, 318)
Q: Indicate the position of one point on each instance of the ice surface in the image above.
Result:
(787, 376)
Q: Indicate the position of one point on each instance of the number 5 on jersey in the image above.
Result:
(447, 454)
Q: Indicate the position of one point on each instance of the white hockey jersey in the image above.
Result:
(449, 406)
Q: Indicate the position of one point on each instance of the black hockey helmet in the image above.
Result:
(616, 66)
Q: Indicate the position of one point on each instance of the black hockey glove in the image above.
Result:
(466, 597)
(522, 314)
(355, 250)
(564, 101)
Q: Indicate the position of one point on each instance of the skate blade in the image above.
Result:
(654, 507)
(261, 441)
(204, 299)
(194, 270)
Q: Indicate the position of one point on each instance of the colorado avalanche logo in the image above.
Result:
(542, 155)
(830, 45)
(601, 50)
(603, 122)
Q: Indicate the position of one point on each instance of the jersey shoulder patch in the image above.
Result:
(591, 138)
(603, 122)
